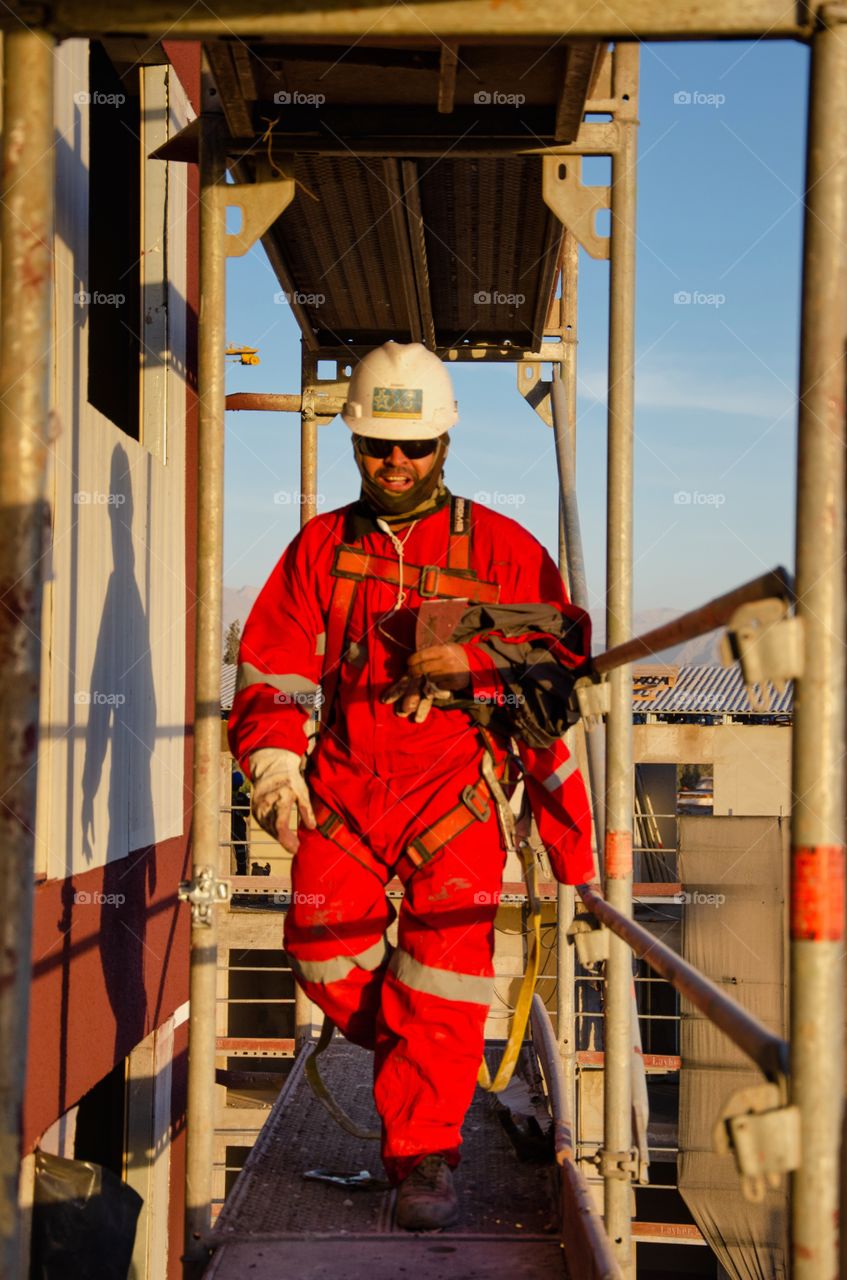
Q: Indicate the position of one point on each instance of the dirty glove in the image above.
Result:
(277, 784)
(434, 674)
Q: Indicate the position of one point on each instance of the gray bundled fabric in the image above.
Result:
(734, 931)
(535, 702)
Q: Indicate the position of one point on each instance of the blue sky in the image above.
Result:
(720, 219)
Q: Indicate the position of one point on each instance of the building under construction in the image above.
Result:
(676, 1107)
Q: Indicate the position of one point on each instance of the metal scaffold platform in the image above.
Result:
(275, 1218)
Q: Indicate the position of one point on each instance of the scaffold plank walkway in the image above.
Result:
(275, 1221)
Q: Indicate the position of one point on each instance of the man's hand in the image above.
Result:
(433, 674)
(277, 785)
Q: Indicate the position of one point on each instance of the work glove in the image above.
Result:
(446, 664)
(277, 784)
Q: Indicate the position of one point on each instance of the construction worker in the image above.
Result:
(433, 630)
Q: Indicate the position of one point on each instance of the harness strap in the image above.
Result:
(340, 607)
(332, 827)
(473, 807)
(322, 1093)
(429, 580)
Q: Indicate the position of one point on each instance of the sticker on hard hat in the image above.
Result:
(397, 402)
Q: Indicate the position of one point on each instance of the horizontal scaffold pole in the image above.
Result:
(698, 622)
(767, 1050)
(467, 21)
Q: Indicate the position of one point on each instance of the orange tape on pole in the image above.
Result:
(817, 893)
(618, 854)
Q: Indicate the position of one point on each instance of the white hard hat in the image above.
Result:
(400, 392)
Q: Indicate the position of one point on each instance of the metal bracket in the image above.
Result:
(535, 390)
(593, 699)
(769, 645)
(618, 1164)
(574, 205)
(763, 1135)
(260, 202)
(590, 938)
(203, 892)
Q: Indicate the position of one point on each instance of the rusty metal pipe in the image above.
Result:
(768, 1051)
(263, 401)
(698, 622)
(26, 230)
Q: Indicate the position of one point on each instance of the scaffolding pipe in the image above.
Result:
(587, 1249)
(697, 622)
(817, 836)
(207, 733)
(617, 1096)
(767, 1050)
(26, 231)
(266, 401)
(308, 508)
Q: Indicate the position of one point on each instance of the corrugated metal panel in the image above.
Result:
(229, 670)
(711, 690)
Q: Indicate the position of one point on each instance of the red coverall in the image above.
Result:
(422, 1007)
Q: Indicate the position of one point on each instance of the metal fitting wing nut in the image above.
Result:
(202, 893)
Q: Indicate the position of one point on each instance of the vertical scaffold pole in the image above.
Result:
(308, 508)
(26, 230)
(817, 881)
(619, 768)
(572, 569)
(207, 731)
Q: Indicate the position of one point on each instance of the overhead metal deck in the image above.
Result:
(416, 215)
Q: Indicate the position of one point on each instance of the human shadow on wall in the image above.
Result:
(122, 715)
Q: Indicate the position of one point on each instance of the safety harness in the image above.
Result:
(457, 580)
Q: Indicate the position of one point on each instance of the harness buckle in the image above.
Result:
(424, 589)
(476, 803)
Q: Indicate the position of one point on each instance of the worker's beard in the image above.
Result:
(423, 494)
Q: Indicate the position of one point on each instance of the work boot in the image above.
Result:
(426, 1200)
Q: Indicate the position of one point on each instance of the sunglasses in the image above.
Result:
(372, 447)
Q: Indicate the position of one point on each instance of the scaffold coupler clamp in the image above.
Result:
(593, 699)
(624, 1165)
(769, 645)
(763, 1134)
(203, 893)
